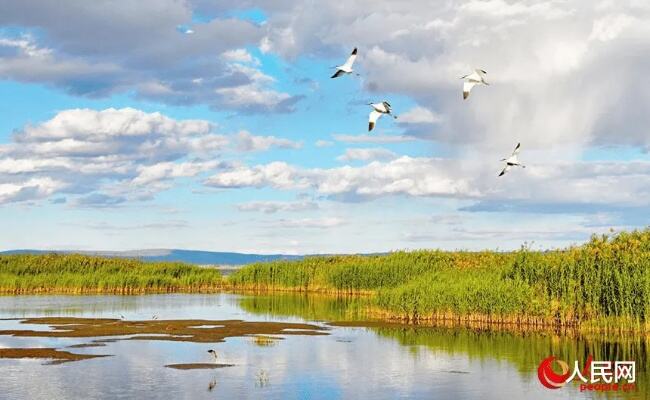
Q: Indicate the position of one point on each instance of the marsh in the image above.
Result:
(321, 350)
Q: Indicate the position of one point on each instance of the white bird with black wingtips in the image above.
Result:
(378, 109)
(347, 67)
(512, 161)
(475, 78)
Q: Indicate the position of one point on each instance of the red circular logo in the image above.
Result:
(550, 378)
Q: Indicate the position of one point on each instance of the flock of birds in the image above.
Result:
(384, 108)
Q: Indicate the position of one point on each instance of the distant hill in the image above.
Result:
(187, 256)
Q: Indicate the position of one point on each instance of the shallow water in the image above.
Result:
(378, 362)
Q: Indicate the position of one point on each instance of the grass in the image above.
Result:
(603, 284)
(74, 273)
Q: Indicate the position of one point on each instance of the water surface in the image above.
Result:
(378, 362)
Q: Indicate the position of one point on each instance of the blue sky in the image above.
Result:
(203, 125)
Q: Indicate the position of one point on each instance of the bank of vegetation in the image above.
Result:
(603, 284)
(79, 274)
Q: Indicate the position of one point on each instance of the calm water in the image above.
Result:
(388, 362)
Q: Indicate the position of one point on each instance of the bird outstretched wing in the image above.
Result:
(467, 87)
(516, 150)
(337, 73)
(505, 169)
(372, 119)
(350, 60)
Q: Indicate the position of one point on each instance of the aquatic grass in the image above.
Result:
(603, 284)
(75, 273)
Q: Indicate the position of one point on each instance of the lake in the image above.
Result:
(326, 361)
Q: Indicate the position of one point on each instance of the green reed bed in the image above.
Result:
(74, 273)
(603, 284)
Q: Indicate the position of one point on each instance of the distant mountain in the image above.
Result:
(187, 256)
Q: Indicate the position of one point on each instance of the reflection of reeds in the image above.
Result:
(525, 351)
(602, 285)
(265, 341)
(74, 273)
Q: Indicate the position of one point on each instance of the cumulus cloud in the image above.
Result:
(110, 157)
(107, 157)
(561, 71)
(419, 115)
(405, 175)
(541, 188)
(142, 50)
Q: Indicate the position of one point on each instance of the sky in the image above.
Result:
(214, 125)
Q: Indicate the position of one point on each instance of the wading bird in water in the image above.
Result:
(214, 354)
(378, 109)
(512, 161)
(347, 67)
(475, 78)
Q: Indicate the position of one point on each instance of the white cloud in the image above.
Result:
(107, 156)
(610, 27)
(372, 138)
(547, 186)
(240, 56)
(248, 142)
(157, 58)
(376, 153)
(271, 207)
(276, 174)
(405, 175)
(419, 115)
(319, 223)
(324, 143)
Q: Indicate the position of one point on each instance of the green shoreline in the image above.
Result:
(603, 285)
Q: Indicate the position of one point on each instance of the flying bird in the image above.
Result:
(475, 78)
(214, 354)
(512, 161)
(378, 109)
(347, 67)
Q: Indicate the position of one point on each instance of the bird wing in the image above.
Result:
(505, 169)
(516, 151)
(350, 60)
(467, 87)
(337, 73)
(372, 119)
